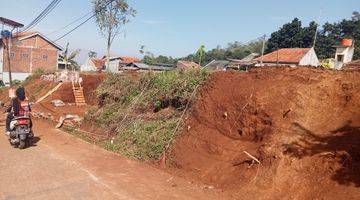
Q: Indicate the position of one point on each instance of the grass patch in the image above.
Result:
(73, 130)
(37, 74)
(131, 107)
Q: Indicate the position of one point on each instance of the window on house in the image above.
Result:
(12, 55)
(340, 58)
(24, 56)
(45, 57)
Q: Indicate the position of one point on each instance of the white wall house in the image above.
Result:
(93, 65)
(343, 55)
(310, 59)
(114, 65)
(290, 57)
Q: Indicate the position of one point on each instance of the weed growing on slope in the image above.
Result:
(142, 112)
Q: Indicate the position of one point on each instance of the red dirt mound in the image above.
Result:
(302, 124)
(354, 65)
(90, 84)
(65, 94)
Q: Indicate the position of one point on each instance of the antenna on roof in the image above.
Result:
(317, 28)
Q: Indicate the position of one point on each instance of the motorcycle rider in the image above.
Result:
(15, 108)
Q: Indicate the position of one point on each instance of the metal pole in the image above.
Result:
(317, 29)
(262, 51)
(9, 59)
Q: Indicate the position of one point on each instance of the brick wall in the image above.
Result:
(31, 54)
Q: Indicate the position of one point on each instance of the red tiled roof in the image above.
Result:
(127, 59)
(289, 55)
(99, 63)
(183, 64)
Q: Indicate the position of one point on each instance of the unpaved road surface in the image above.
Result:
(60, 166)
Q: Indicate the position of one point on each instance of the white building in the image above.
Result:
(344, 53)
(290, 56)
(93, 65)
(117, 63)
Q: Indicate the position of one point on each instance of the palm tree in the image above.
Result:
(201, 53)
(69, 58)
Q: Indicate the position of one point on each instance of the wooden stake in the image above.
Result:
(252, 157)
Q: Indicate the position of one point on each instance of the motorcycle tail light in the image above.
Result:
(23, 121)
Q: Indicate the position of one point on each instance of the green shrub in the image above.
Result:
(126, 100)
(35, 75)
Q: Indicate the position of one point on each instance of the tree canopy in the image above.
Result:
(290, 35)
(111, 16)
(293, 35)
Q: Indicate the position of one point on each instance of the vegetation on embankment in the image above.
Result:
(141, 112)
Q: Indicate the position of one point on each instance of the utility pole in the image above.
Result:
(8, 46)
(263, 50)
(317, 29)
(7, 36)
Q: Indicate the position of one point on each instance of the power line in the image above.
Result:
(82, 23)
(72, 30)
(42, 15)
(71, 23)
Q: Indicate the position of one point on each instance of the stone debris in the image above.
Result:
(63, 76)
(70, 120)
(57, 103)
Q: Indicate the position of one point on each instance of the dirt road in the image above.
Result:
(60, 166)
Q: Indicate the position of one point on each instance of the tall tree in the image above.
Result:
(328, 36)
(111, 16)
(200, 54)
(307, 35)
(287, 37)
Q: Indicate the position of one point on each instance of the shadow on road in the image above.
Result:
(34, 141)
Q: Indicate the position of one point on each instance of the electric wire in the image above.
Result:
(42, 15)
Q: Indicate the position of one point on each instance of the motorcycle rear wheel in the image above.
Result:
(22, 144)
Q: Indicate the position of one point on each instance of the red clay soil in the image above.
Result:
(38, 88)
(302, 124)
(65, 94)
(354, 65)
(90, 84)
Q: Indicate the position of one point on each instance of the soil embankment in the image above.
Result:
(302, 124)
(65, 94)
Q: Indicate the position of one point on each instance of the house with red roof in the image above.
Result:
(29, 51)
(93, 64)
(183, 64)
(115, 66)
(291, 57)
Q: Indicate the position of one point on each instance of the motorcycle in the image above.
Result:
(21, 133)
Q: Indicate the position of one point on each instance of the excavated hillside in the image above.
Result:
(301, 124)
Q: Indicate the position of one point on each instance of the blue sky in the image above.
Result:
(178, 27)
